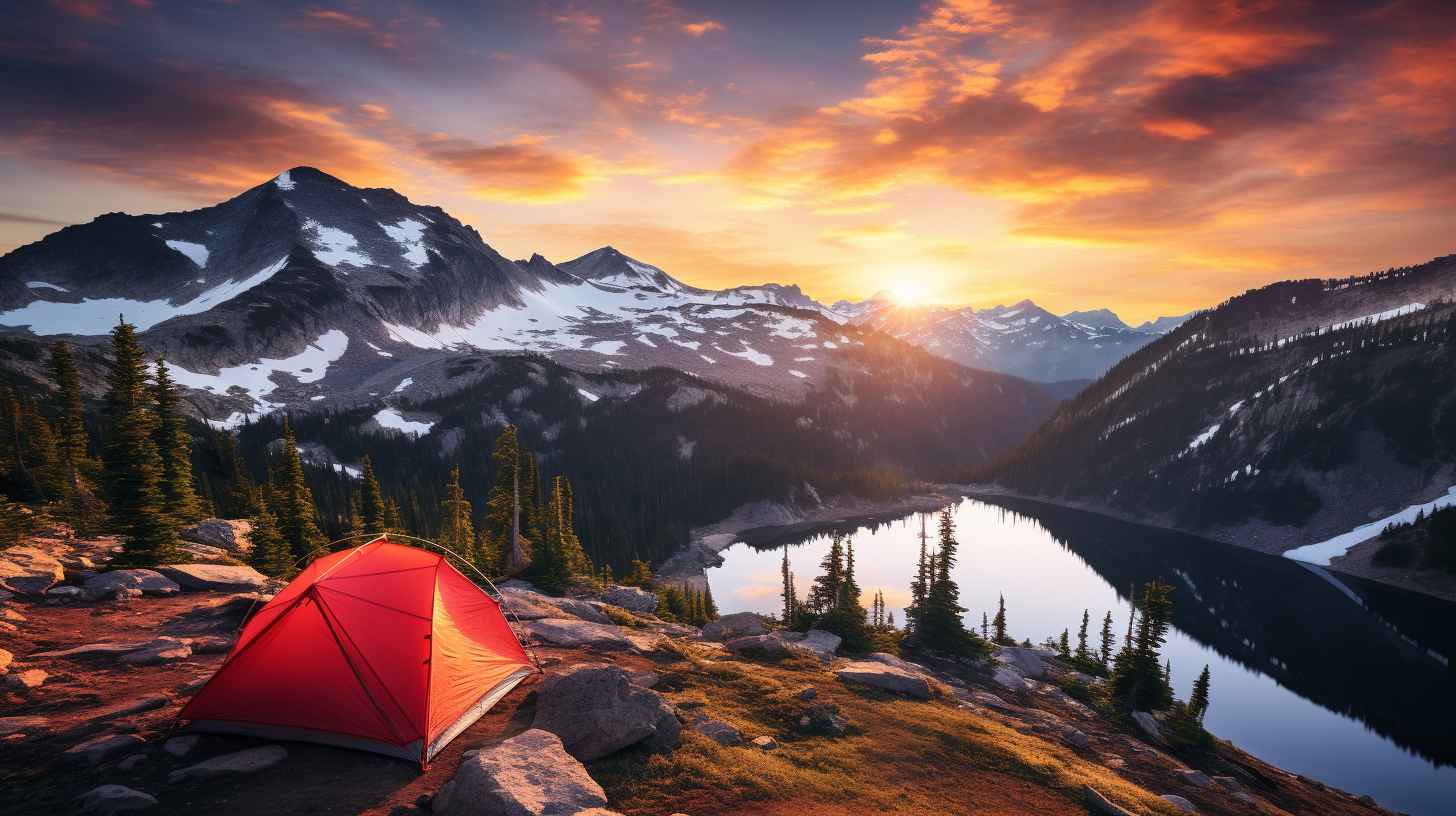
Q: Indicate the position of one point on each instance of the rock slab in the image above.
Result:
(889, 678)
(736, 625)
(108, 799)
(29, 571)
(221, 577)
(148, 582)
(634, 599)
(530, 774)
(249, 761)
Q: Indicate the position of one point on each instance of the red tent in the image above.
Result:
(380, 647)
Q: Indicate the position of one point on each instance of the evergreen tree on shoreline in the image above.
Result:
(789, 594)
(1198, 700)
(998, 623)
(1105, 655)
(133, 467)
(940, 626)
(1083, 655)
(1138, 681)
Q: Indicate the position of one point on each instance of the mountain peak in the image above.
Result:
(1100, 318)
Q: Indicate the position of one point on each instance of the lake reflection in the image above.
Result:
(1339, 679)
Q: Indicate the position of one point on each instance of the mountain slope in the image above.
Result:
(305, 292)
(1284, 416)
(1022, 339)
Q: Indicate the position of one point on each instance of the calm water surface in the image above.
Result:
(1342, 680)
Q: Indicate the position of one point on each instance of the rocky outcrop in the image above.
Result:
(221, 577)
(1149, 725)
(596, 710)
(1027, 661)
(817, 642)
(29, 571)
(109, 799)
(1100, 805)
(161, 650)
(719, 732)
(1179, 802)
(530, 774)
(736, 625)
(220, 533)
(527, 605)
(99, 749)
(249, 761)
(631, 598)
(889, 678)
(148, 582)
(579, 634)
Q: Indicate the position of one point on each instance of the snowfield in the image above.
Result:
(197, 253)
(395, 421)
(256, 379)
(98, 316)
(1321, 552)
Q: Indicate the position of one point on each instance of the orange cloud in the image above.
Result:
(522, 170)
(1177, 129)
(704, 27)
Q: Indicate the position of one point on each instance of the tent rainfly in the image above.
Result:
(380, 647)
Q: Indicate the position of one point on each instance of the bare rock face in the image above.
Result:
(1149, 725)
(596, 710)
(1179, 802)
(530, 774)
(221, 577)
(631, 598)
(161, 650)
(529, 605)
(221, 533)
(889, 678)
(29, 571)
(1027, 661)
(737, 625)
(579, 634)
(145, 581)
(240, 762)
(108, 799)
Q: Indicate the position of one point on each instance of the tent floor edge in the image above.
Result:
(475, 712)
(408, 751)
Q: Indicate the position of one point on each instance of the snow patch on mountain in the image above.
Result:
(98, 316)
(284, 180)
(255, 379)
(44, 285)
(410, 235)
(334, 246)
(197, 253)
(395, 421)
(1321, 552)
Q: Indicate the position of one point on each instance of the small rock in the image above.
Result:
(97, 750)
(145, 581)
(1100, 805)
(824, 718)
(1076, 739)
(818, 642)
(211, 644)
(161, 650)
(719, 732)
(530, 774)
(1229, 783)
(181, 746)
(251, 760)
(65, 593)
(137, 706)
(108, 799)
(769, 645)
(806, 694)
(223, 577)
(631, 598)
(766, 743)
(738, 624)
(220, 533)
(885, 677)
(1367, 800)
(990, 700)
(131, 763)
(27, 680)
(1197, 779)
(1180, 803)
(1113, 761)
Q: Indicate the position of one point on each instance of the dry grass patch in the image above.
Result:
(900, 756)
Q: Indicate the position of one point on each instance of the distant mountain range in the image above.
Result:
(1284, 416)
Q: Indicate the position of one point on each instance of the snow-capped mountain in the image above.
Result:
(305, 291)
(1022, 339)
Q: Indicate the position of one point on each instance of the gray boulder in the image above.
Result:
(736, 625)
(1009, 678)
(1179, 802)
(220, 533)
(765, 743)
(770, 645)
(145, 581)
(108, 799)
(99, 749)
(579, 634)
(719, 732)
(222, 577)
(596, 710)
(181, 746)
(65, 593)
(1149, 725)
(1197, 779)
(1025, 660)
(528, 605)
(1101, 805)
(889, 678)
(631, 598)
(29, 571)
(530, 774)
(817, 642)
(249, 761)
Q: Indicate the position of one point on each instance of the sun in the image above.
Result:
(907, 291)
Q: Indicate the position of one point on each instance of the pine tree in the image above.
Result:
(1198, 700)
(1064, 647)
(788, 594)
(919, 586)
(824, 595)
(75, 443)
(558, 557)
(1138, 681)
(372, 506)
(998, 623)
(835, 598)
(174, 445)
(133, 467)
(502, 523)
(241, 497)
(393, 521)
(1105, 656)
(294, 506)
(985, 627)
(270, 554)
(710, 607)
(457, 533)
(1083, 654)
(941, 626)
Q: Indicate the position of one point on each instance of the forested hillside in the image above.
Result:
(1282, 416)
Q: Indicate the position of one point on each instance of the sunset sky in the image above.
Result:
(1149, 157)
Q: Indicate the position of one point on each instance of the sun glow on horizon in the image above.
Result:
(908, 290)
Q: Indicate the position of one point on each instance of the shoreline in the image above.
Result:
(1355, 562)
